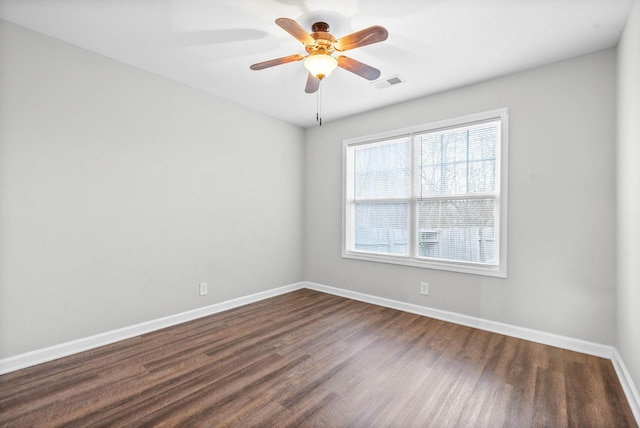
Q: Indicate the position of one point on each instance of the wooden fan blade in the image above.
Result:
(293, 28)
(359, 68)
(313, 84)
(277, 61)
(360, 38)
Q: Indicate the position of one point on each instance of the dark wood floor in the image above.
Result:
(313, 359)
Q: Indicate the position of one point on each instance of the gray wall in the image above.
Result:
(628, 292)
(120, 191)
(561, 241)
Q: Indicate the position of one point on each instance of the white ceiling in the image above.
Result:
(433, 45)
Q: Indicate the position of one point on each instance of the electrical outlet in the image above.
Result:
(424, 288)
(204, 288)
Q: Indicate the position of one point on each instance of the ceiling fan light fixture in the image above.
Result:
(320, 45)
(320, 65)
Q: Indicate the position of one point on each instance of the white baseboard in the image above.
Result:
(630, 390)
(51, 353)
(564, 342)
(54, 352)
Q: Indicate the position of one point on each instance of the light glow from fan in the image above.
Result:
(320, 65)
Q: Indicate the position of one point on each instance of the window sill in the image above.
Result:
(468, 268)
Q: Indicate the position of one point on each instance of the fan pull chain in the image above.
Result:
(319, 104)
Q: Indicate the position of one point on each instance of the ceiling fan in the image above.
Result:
(320, 46)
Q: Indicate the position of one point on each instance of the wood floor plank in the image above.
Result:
(550, 393)
(312, 359)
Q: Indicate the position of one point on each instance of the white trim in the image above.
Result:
(470, 268)
(439, 125)
(39, 356)
(630, 390)
(410, 259)
(564, 342)
(51, 353)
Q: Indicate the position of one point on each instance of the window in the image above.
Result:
(431, 196)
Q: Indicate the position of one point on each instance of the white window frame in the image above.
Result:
(497, 270)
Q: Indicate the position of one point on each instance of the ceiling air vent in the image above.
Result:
(388, 81)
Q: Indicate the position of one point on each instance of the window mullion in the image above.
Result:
(467, 162)
(442, 168)
(413, 204)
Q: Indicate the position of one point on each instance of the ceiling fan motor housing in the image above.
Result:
(324, 40)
